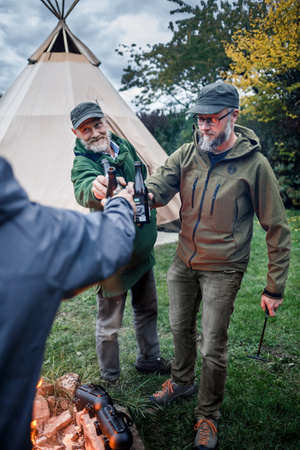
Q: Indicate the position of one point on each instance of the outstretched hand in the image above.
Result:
(125, 194)
(130, 187)
(100, 183)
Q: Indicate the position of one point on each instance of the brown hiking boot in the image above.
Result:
(207, 435)
(171, 391)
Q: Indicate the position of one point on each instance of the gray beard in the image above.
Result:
(97, 147)
(213, 145)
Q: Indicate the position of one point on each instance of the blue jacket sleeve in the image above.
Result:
(102, 243)
(64, 248)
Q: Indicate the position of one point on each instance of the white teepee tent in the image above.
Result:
(35, 127)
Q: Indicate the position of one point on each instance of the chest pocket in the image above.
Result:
(220, 207)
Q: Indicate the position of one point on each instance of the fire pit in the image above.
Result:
(58, 425)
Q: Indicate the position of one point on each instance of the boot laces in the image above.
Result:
(207, 429)
(166, 388)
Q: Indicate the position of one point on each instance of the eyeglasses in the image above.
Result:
(211, 121)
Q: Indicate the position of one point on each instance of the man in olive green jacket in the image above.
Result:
(93, 144)
(223, 180)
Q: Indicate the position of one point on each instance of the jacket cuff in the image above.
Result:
(272, 295)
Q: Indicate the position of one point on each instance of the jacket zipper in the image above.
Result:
(213, 199)
(236, 211)
(199, 217)
(193, 191)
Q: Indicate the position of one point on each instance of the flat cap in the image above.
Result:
(84, 111)
(215, 97)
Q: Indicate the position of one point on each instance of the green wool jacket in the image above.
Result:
(218, 206)
(86, 167)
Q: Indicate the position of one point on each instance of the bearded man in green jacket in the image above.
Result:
(94, 142)
(223, 180)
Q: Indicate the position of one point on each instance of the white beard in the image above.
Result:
(97, 147)
(206, 145)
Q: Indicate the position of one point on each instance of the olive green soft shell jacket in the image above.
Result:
(218, 205)
(86, 167)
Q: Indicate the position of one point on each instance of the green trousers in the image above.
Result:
(216, 293)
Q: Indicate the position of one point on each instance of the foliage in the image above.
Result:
(265, 66)
(171, 130)
(265, 62)
(261, 407)
(195, 55)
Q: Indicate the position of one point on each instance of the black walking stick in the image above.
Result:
(261, 339)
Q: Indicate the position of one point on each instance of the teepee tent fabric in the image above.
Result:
(35, 128)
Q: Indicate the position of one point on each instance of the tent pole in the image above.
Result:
(65, 40)
(52, 43)
(51, 8)
(71, 8)
(58, 9)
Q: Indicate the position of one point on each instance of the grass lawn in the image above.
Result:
(262, 403)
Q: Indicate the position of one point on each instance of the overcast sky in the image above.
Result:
(101, 24)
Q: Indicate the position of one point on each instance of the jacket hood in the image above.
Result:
(247, 142)
(12, 197)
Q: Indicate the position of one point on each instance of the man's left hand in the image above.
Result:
(271, 304)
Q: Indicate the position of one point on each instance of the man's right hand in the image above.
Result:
(130, 187)
(100, 186)
(125, 194)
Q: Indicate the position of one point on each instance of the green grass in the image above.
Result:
(261, 407)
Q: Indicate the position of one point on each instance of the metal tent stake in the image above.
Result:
(261, 339)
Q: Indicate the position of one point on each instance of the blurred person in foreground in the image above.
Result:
(94, 143)
(47, 254)
(223, 180)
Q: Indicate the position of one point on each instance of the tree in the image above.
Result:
(265, 61)
(265, 66)
(171, 130)
(194, 57)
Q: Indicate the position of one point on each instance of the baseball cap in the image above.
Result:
(215, 97)
(84, 111)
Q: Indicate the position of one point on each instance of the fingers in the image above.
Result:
(121, 181)
(271, 304)
(99, 187)
(130, 187)
(128, 196)
(103, 201)
(125, 194)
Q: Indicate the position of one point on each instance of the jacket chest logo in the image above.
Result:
(231, 169)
